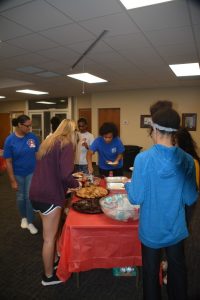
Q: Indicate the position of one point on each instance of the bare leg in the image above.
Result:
(50, 228)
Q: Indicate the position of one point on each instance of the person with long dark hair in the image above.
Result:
(20, 153)
(163, 183)
(185, 141)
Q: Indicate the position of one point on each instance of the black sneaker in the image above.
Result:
(51, 281)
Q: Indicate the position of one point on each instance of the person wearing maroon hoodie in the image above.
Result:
(51, 180)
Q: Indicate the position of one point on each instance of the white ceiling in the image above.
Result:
(46, 37)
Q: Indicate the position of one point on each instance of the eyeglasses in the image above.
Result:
(27, 126)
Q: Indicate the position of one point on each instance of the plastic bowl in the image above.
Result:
(119, 208)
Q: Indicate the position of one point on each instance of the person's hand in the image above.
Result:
(14, 185)
(84, 143)
(75, 189)
(125, 179)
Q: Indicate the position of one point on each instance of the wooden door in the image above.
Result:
(109, 115)
(5, 128)
(87, 114)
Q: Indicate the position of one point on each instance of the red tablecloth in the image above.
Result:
(96, 241)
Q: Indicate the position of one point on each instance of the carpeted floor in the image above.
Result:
(21, 264)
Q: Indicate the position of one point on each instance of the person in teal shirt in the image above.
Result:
(163, 182)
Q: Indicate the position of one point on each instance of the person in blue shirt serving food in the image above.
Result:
(162, 184)
(110, 151)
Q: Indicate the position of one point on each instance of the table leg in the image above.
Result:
(77, 280)
(138, 276)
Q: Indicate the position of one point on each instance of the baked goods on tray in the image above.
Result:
(87, 206)
(92, 192)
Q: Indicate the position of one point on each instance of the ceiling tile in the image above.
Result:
(87, 9)
(37, 15)
(195, 11)
(165, 15)
(144, 57)
(30, 59)
(48, 74)
(197, 36)
(4, 5)
(171, 36)
(115, 24)
(9, 29)
(129, 41)
(33, 42)
(81, 47)
(68, 34)
(60, 54)
(10, 51)
(186, 50)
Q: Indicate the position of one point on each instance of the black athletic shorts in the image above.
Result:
(43, 208)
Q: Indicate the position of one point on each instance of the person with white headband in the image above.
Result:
(162, 184)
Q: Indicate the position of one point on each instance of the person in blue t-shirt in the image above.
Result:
(163, 182)
(20, 153)
(110, 151)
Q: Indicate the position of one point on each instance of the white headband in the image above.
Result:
(156, 126)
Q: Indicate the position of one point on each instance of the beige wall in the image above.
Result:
(135, 103)
(81, 102)
(132, 104)
(10, 106)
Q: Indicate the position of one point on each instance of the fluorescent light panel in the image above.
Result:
(87, 77)
(186, 69)
(31, 92)
(130, 4)
(2, 97)
(45, 102)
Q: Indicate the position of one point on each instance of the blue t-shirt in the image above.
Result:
(22, 151)
(108, 151)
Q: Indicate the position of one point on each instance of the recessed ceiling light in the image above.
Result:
(2, 97)
(31, 92)
(186, 69)
(45, 102)
(86, 77)
(48, 74)
(29, 70)
(130, 4)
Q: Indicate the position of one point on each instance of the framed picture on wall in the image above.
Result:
(189, 121)
(145, 121)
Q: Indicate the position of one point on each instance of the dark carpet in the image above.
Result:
(21, 264)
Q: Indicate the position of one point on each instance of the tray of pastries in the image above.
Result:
(92, 192)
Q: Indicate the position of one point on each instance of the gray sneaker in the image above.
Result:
(32, 228)
(24, 223)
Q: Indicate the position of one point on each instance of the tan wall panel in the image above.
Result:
(10, 106)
